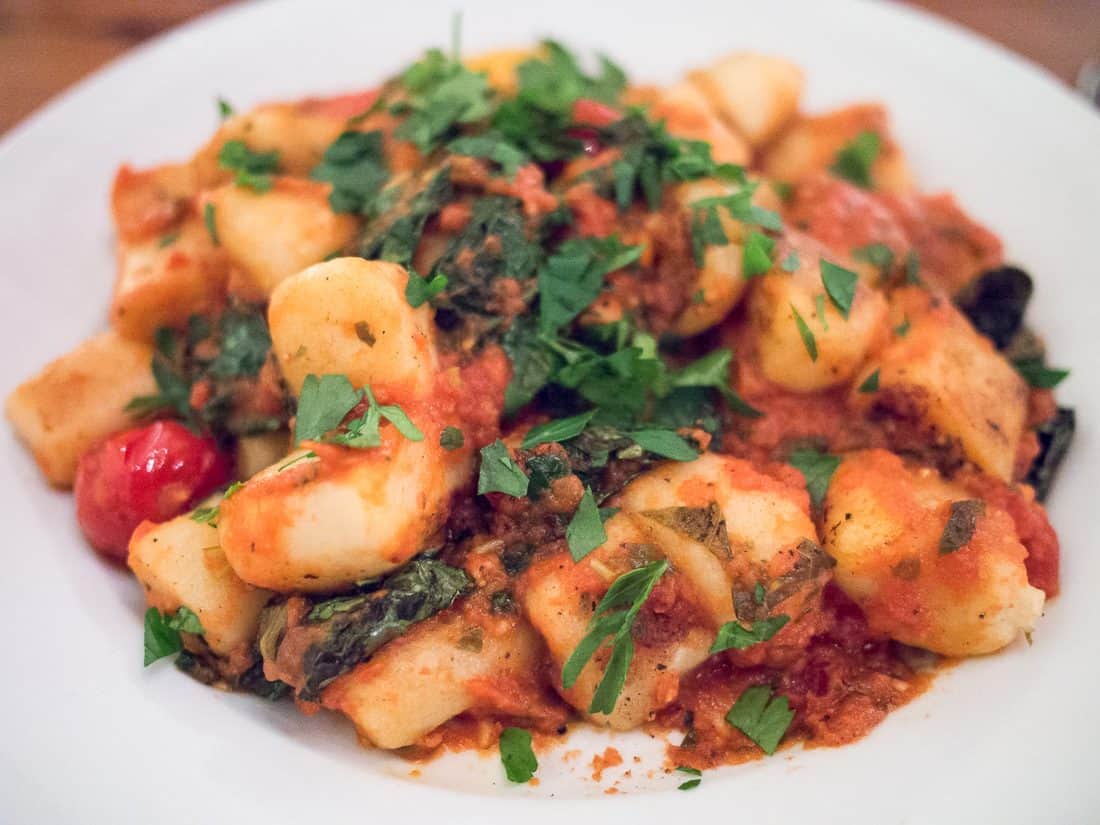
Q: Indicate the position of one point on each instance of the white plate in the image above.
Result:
(87, 736)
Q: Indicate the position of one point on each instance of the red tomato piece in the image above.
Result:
(588, 112)
(154, 472)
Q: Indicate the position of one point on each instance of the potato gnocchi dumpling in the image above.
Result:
(939, 374)
(515, 394)
(930, 566)
(350, 317)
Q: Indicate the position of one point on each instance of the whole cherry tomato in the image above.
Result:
(154, 472)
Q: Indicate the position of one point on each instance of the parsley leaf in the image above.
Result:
(817, 468)
(876, 254)
(808, 339)
(494, 147)
(735, 636)
(451, 438)
(225, 109)
(419, 289)
(664, 443)
(252, 170)
(741, 208)
(761, 717)
(322, 405)
(561, 430)
(1039, 375)
(853, 162)
(364, 431)
(613, 620)
(902, 329)
(516, 754)
(690, 783)
(162, 632)
(791, 262)
(205, 515)
(442, 94)
(245, 342)
(912, 267)
(355, 165)
(840, 284)
(499, 473)
(756, 254)
(210, 219)
(585, 531)
(870, 383)
(713, 370)
(573, 276)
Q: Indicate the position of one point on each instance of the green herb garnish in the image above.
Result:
(761, 717)
(854, 161)
(162, 632)
(804, 332)
(613, 621)
(499, 473)
(840, 284)
(735, 636)
(585, 531)
(516, 755)
(817, 468)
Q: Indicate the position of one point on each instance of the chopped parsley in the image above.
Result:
(573, 276)
(735, 636)
(762, 717)
(210, 219)
(451, 438)
(804, 332)
(167, 240)
(441, 95)
(612, 623)
(791, 262)
(252, 170)
(322, 405)
(740, 207)
(419, 289)
(854, 161)
(516, 755)
(499, 473)
(817, 468)
(560, 430)
(664, 443)
(902, 329)
(162, 632)
(912, 267)
(491, 146)
(690, 783)
(585, 531)
(756, 254)
(1039, 375)
(870, 383)
(355, 165)
(840, 284)
(876, 254)
(205, 515)
(225, 109)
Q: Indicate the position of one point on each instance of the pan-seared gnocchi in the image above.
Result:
(514, 395)
(930, 565)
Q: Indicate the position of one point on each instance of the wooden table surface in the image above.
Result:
(46, 45)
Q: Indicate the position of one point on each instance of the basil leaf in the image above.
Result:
(499, 473)
(664, 443)
(817, 468)
(761, 717)
(807, 336)
(756, 254)
(734, 636)
(516, 755)
(322, 405)
(553, 431)
(840, 284)
(585, 531)
(961, 523)
(853, 162)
